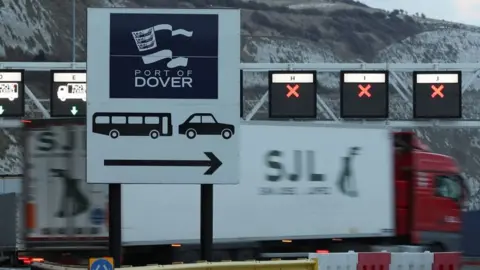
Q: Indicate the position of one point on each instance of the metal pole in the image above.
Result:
(74, 34)
(206, 221)
(37, 103)
(70, 201)
(115, 223)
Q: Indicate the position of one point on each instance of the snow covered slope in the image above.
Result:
(285, 31)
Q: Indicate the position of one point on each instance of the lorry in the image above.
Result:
(304, 187)
(53, 209)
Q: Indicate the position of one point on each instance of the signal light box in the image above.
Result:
(293, 94)
(12, 98)
(437, 94)
(68, 95)
(364, 94)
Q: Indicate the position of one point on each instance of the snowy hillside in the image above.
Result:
(290, 31)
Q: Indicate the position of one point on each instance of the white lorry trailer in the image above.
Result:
(297, 182)
(302, 188)
(289, 189)
(54, 208)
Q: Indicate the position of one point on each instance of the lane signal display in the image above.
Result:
(364, 94)
(437, 94)
(68, 95)
(292, 94)
(12, 101)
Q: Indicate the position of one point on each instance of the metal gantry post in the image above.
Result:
(36, 101)
(257, 106)
(401, 88)
(470, 80)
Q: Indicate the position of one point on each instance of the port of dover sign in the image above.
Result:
(163, 101)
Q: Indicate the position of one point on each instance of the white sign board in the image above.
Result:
(163, 104)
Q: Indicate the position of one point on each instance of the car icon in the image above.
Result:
(205, 124)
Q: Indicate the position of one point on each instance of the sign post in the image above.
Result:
(163, 101)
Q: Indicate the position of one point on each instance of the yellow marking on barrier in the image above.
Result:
(311, 264)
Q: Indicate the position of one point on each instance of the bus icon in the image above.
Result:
(72, 91)
(115, 125)
(9, 91)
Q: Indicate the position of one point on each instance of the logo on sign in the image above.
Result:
(164, 56)
(146, 42)
(292, 170)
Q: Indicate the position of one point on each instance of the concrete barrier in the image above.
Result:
(247, 265)
(316, 261)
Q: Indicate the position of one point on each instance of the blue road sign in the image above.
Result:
(101, 264)
(97, 216)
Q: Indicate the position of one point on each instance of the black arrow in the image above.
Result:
(213, 163)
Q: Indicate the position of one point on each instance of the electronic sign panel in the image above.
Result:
(12, 90)
(292, 94)
(364, 94)
(69, 93)
(437, 94)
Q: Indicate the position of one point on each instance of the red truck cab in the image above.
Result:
(429, 194)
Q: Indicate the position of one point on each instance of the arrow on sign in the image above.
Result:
(213, 163)
(1, 110)
(74, 110)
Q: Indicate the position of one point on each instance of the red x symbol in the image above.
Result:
(437, 91)
(293, 90)
(364, 90)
